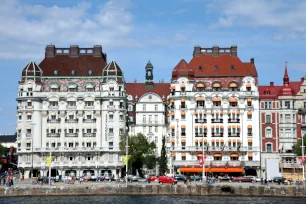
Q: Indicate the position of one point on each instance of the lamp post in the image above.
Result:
(50, 160)
(177, 139)
(303, 163)
(126, 154)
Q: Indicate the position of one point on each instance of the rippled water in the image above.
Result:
(152, 199)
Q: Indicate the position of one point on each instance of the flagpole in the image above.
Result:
(50, 160)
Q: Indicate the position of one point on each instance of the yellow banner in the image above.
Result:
(125, 159)
(49, 160)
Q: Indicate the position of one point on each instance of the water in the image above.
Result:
(151, 199)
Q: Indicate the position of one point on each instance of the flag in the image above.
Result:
(238, 148)
(125, 159)
(223, 148)
(49, 160)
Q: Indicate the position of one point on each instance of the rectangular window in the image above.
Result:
(293, 118)
(111, 117)
(71, 103)
(121, 117)
(111, 89)
(183, 117)
(89, 103)
(156, 108)
(287, 118)
(144, 119)
(144, 129)
(70, 130)
(150, 118)
(249, 116)
(19, 117)
(29, 131)
(121, 131)
(156, 118)
(29, 117)
(88, 130)
(54, 103)
(144, 107)
(28, 144)
(304, 105)
(71, 117)
(268, 118)
(150, 128)
(287, 104)
(156, 128)
(287, 133)
(268, 133)
(111, 130)
(29, 104)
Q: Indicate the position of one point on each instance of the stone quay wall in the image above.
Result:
(197, 190)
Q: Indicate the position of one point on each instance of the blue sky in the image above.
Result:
(164, 31)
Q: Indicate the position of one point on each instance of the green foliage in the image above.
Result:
(163, 158)
(2, 150)
(150, 161)
(297, 147)
(140, 150)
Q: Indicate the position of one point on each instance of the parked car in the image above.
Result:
(179, 177)
(100, 178)
(151, 179)
(278, 179)
(196, 178)
(93, 178)
(224, 178)
(166, 179)
(242, 179)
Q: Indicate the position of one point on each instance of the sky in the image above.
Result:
(132, 32)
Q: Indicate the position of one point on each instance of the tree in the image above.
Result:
(139, 151)
(163, 158)
(297, 149)
(2, 150)
(150, 161)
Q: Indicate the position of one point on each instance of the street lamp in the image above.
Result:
(126, 154)
(303, 163)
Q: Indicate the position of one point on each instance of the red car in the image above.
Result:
(242, 179)
(166, 179)
(151, 179)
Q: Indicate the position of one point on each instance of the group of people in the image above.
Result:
(7, 180)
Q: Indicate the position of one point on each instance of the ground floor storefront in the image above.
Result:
(77, 172)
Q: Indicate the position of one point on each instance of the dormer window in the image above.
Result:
(73, 72)
(72, 87)
(89, 86)
(266, 92)
(248, 87)
(233, 86)
(200, 87)
(200, 68)
(216, 68)
(90, 72)
(232, 68)
(55, 72)
(54, 87)
(217, 86)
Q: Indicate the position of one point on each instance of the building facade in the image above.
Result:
(214, 104)
(281, 124)
(73, 104)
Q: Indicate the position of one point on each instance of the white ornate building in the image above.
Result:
(74, 105)
(214, 101)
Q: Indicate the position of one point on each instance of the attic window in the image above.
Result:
(200, 68)
(232, 67)
(266, 92)
(56, 72)
(73, 72)
(216, 68)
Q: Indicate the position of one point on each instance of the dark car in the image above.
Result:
(242, 179)
(278, 179)
(179, 177)
(196, 178)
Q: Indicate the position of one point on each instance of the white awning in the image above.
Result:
(53, 99)
(71, 99)
(54, 85)
(89, 99)
(89, 85)
(72, 85)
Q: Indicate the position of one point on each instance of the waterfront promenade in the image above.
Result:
(26, 188)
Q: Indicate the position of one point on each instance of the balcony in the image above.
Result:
(28, 134)
(71, 134)
(234, 134)
(54, 121)
(201, 134)
(235, 120)
(201, 120)
(290, 165)
(89, 134)
(53, 134)
(251, 163)
(200, 107)
(89, 121)
(72, 121)
(29, 107)
(186, 162)
(250, 134)
(53, 107)
(219, 120)
(219, 134)
(71, 107)
(89, 107)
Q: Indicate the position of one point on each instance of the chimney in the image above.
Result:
(50, 51)
(74, 51)
(252, 60)
(215, 50)
(197, 50)
(97, 51)
(234, 50)
(271, 83)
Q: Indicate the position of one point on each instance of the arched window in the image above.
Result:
(54, 87)
(216, 86)
(233, 86)
(72, 87)
(89, 86)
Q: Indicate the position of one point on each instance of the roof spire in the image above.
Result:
(286, 77)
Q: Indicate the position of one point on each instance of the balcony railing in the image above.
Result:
(71, 134)
(53, 107)
(250, 133)
(236, 120)
(89, 121)
(215, 149)
(28, 134)
(182, 106)
(219, 134)
(231, 134)
(220, 120)
(54, 121)
(200, 107)
(71, 121)
(53, 134)
(71, 107)
(204, 120)
(89, 134)
(201, 134)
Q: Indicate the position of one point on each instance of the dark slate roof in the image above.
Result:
(8, 138)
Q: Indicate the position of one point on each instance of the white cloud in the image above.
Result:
(31, 27)
(288, 18)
